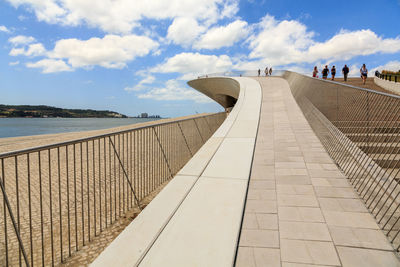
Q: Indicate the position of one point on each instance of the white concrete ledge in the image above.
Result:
(195, 220)
(388, 85)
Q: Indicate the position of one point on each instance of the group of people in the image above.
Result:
(267, 71)
(345, 70)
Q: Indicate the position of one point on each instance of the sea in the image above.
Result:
(12, 127)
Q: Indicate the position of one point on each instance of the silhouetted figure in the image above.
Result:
(259, 72)
(270, 71)
(325, 72)
(315, 72)
(345, 72)
(266, 71)
(333, 73)
(364, 73)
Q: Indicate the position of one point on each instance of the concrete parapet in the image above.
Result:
(388, 85)
(196, 219)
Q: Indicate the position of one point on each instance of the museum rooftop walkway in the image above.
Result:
(262, 191)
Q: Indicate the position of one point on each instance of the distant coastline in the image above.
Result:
(42, 111)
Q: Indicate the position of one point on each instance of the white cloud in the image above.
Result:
(218, 37)
(4, 29)
(174, 90)
(148, 79)
(391, 66)
(280, 42)
(121, 16)
(346, 45)
(33, 50)
(21, 40)
(50, 65)
(193, 64)
(111, 51)
(14, 63)
(289, 41)
(184, 30)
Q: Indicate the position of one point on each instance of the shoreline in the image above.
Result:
(8, 144)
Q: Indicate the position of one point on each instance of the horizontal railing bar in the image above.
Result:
(85, 139)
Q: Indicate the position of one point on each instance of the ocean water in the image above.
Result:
(11, 127)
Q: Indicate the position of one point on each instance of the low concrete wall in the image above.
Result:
(195, 220)
(388, 85)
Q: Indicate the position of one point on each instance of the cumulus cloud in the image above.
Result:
(4, 29)
(13, 63)
(175, 90)
(391, 65)
(289, 41)
(184, 30)
(111, 51)
(50, 65)
(21, 40)
(121, 16)
(223, 36)
(148, 79)
(193, 64)
(33, 50)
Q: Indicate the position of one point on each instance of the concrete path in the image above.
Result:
(300, 209)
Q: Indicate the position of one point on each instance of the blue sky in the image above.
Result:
(136, 56)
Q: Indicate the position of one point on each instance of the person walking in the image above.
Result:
(270, 71)
(364, 73)
(325, 72)
(333, 73)
(259, 72)
(345, 72)
(315, 72)
(266, 71)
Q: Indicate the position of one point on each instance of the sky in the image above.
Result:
(134, 56)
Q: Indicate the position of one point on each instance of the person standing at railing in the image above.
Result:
(325, 72)
(270, 71)
(315, 72)
(333, 73)
(364, 73)
(345, 72)
(266, 71)
(259, 72)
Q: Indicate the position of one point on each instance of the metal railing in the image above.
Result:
(57, 198)
(388, 77)
(360, 129)
(241, 73)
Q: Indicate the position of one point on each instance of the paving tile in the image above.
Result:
(295, 189)
(335, 192)
(286, 165)
(304, 231)
(261, 194)
(330, 182)
(259, 238)
(312, 252)
(262, 172)
(291, 264)
(267, 221)
(325, 174)
(262, 184)
(297, 200)
(261, 206)
(300, 214)
(291, 171)
(363, 238)
(342, 204)
(293, 179)
(245, 257)
(366, 257)
(250, 221)
(350, 219)
(267, 257)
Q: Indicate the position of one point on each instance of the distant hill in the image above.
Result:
(14, 111)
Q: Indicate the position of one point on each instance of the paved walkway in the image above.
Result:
(300, 209)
